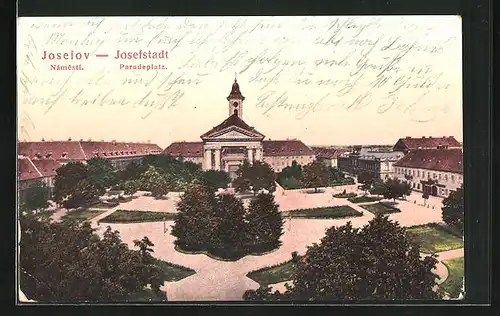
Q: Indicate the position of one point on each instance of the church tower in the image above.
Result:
(235, 99)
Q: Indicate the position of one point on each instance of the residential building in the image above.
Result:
(227, 145)
(435, 171)
(328, 155)
(408, 143)
(119, 153)
(31, 172)
(374, 160)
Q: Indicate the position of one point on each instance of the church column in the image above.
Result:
(258, 154)
(208, 159)
(250, 155)
(217, 159)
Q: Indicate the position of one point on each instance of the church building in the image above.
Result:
(228, 144)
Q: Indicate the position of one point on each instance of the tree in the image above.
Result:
(314, 175)
(194, 223)
(84, 193)
(133, 171)
(366, 179)
(405, 189)
(36, 197)
(66, 179)
(228, 238)
(256, 177)
(394, 189)
(378, 188)
(382, 263)
(453, 209)
(101, 174)
(70, 263)
(265, 223)
(131, 186)
(154, 180)
(216, 179)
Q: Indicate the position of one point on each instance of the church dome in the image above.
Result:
(235, 92)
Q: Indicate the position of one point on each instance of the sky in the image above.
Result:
(323, 80)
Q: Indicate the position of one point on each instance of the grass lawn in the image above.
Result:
(323, 212)
(363, 199)
(453, 284)
(173, 272)
(123, 216)
(380, 208)
(274, 274)
(345, 195)
(432, 238)
(105, 205)
(81, 215)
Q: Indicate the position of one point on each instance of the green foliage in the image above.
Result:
(264, 223)
(36, 197)
(155, 181)
(220, 225)
(380, 208)
(101, 174)
(290, 183)
(216, 179)
(332, 271)
(366, 178)
(378, 188)
(254, 177)
(84, 194)
(70, 263)
(131, 186)
(345, 195)
(276, 273)
(453, 209)
(315, 175)
(363, 199)
(193, 224)
(127, 216)
(67, 178)
(434, 238)
(454, 282)
(340, 211)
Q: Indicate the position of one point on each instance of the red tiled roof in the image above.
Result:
(84, 150)
(286, 148)
(118, 149)
(233, 120)
(26, 169)
(47, 167)
(450, 160)
(185, 149)
(59, 150)
(427, 142)
(326, 153)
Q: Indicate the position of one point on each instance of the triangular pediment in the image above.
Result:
(234, 132)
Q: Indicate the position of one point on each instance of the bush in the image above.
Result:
(345, 195)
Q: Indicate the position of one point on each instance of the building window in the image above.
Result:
(439, 176)
(446, 177)
(434, 176)
(418, 186)
(452, 178)
(418, 173)
(414, 185)
(428, 174)
(445, 191)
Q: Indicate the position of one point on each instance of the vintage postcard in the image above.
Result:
(289, 158)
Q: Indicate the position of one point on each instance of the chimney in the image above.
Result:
(408, 137)
(430, 136)
(423, 136)
(81, 139)
(43, 139)
(102, 140)
(89, 140)
(149, 142)
(69, 139)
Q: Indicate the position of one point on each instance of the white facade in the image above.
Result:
(445, 181)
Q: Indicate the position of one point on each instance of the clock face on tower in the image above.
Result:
(235, 104)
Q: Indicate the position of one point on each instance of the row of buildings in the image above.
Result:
(433, 164)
